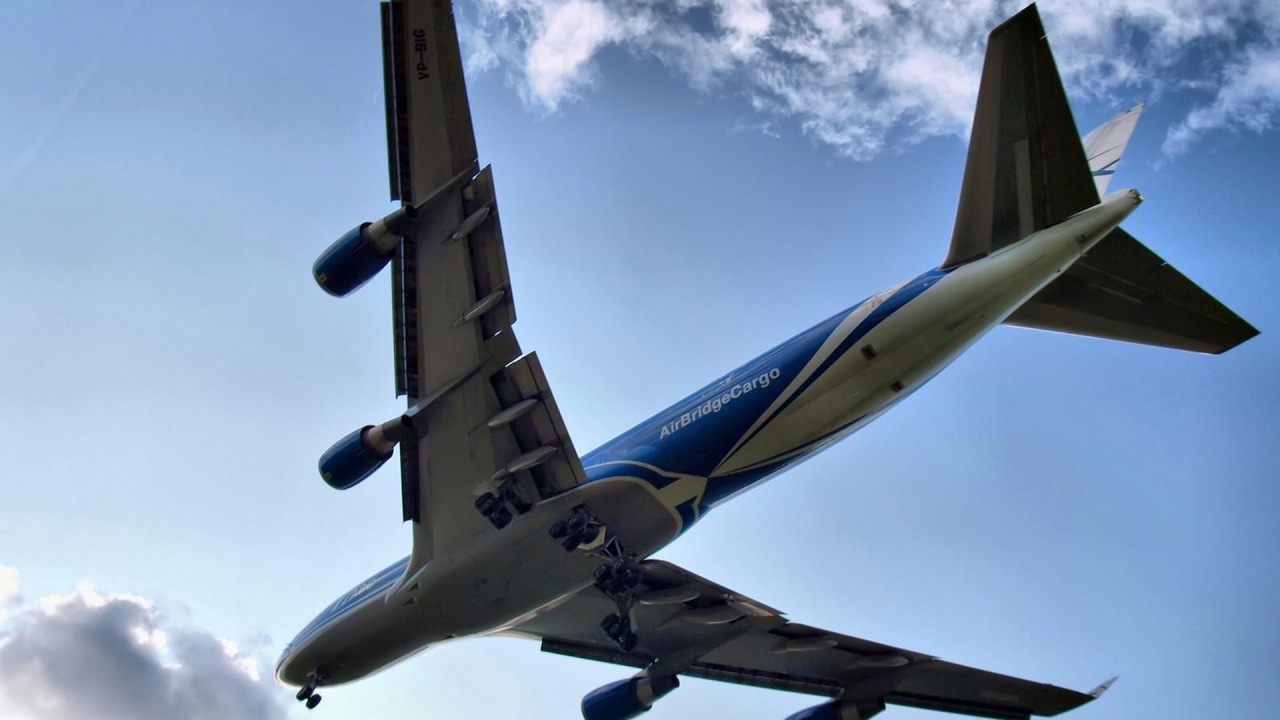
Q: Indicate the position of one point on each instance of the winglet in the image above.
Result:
(1097, 692)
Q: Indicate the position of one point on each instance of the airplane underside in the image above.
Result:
(514, 533)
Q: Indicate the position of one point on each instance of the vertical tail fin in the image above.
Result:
(1026, 168)
(1104, 145)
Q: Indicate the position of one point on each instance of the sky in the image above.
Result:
(683, 185)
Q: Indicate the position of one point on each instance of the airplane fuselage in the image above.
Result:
(655, 481)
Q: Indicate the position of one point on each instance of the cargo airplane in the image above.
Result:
(515, 534)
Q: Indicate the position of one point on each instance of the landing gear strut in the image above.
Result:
(308, 692)
(582, 528)
(493, 505)
(618, 580)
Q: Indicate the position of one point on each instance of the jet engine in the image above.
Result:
(626, 698)
(353, 259)
(840, 710)
(356, 456)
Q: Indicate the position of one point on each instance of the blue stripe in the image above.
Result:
(375, 585)
(904, 295)
(623, 468)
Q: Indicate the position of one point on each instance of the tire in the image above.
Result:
(610, 624)
(628, 642)
(313, 701)
(559, 529)
(485, 503)
(500, 518)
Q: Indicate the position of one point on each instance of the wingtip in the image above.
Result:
(1097, 692)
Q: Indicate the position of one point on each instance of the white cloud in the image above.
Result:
(90, 656)
(10, 589)
(859, 74)
(1249, 99)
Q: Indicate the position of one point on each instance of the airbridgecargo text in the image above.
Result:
(716, 404)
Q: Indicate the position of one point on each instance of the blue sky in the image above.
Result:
(682, 186)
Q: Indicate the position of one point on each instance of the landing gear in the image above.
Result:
(618, 580)
(308, 692)
(619, 630)
(582, 528)
(493, 505)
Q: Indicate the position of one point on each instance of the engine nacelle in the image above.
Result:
(355, 457)
(840, 710)
(357, 256)
(349, 263)
(626, 698)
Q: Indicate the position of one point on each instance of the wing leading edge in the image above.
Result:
(691, 626)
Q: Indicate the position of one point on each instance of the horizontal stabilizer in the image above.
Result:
(1121, 290)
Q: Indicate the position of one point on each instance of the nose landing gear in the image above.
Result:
(308, 692)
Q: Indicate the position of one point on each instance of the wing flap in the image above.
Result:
(488, 256)
(540, 426)
(762, 649)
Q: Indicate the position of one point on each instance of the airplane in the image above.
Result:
(515, 534)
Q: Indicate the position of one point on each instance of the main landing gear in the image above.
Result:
(493, 505)
(308, 692)
(618, 578)
(582, 528)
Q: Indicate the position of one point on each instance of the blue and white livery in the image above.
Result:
(514, 533)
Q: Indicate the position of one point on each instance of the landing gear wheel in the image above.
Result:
(501, 517)
(313, 701)
(610, 625)
(486, 503)
(628, 641)
(304, 692)
(559, 529)
(571, 543)
(630, 577)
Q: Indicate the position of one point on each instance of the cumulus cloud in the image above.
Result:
(1249, 99)
(10, 591)
(861, 74)
(88, 656)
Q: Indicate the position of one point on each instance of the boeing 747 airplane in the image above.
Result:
(516, 534)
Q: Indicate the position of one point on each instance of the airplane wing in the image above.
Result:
(487, 420)
(691, 626)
